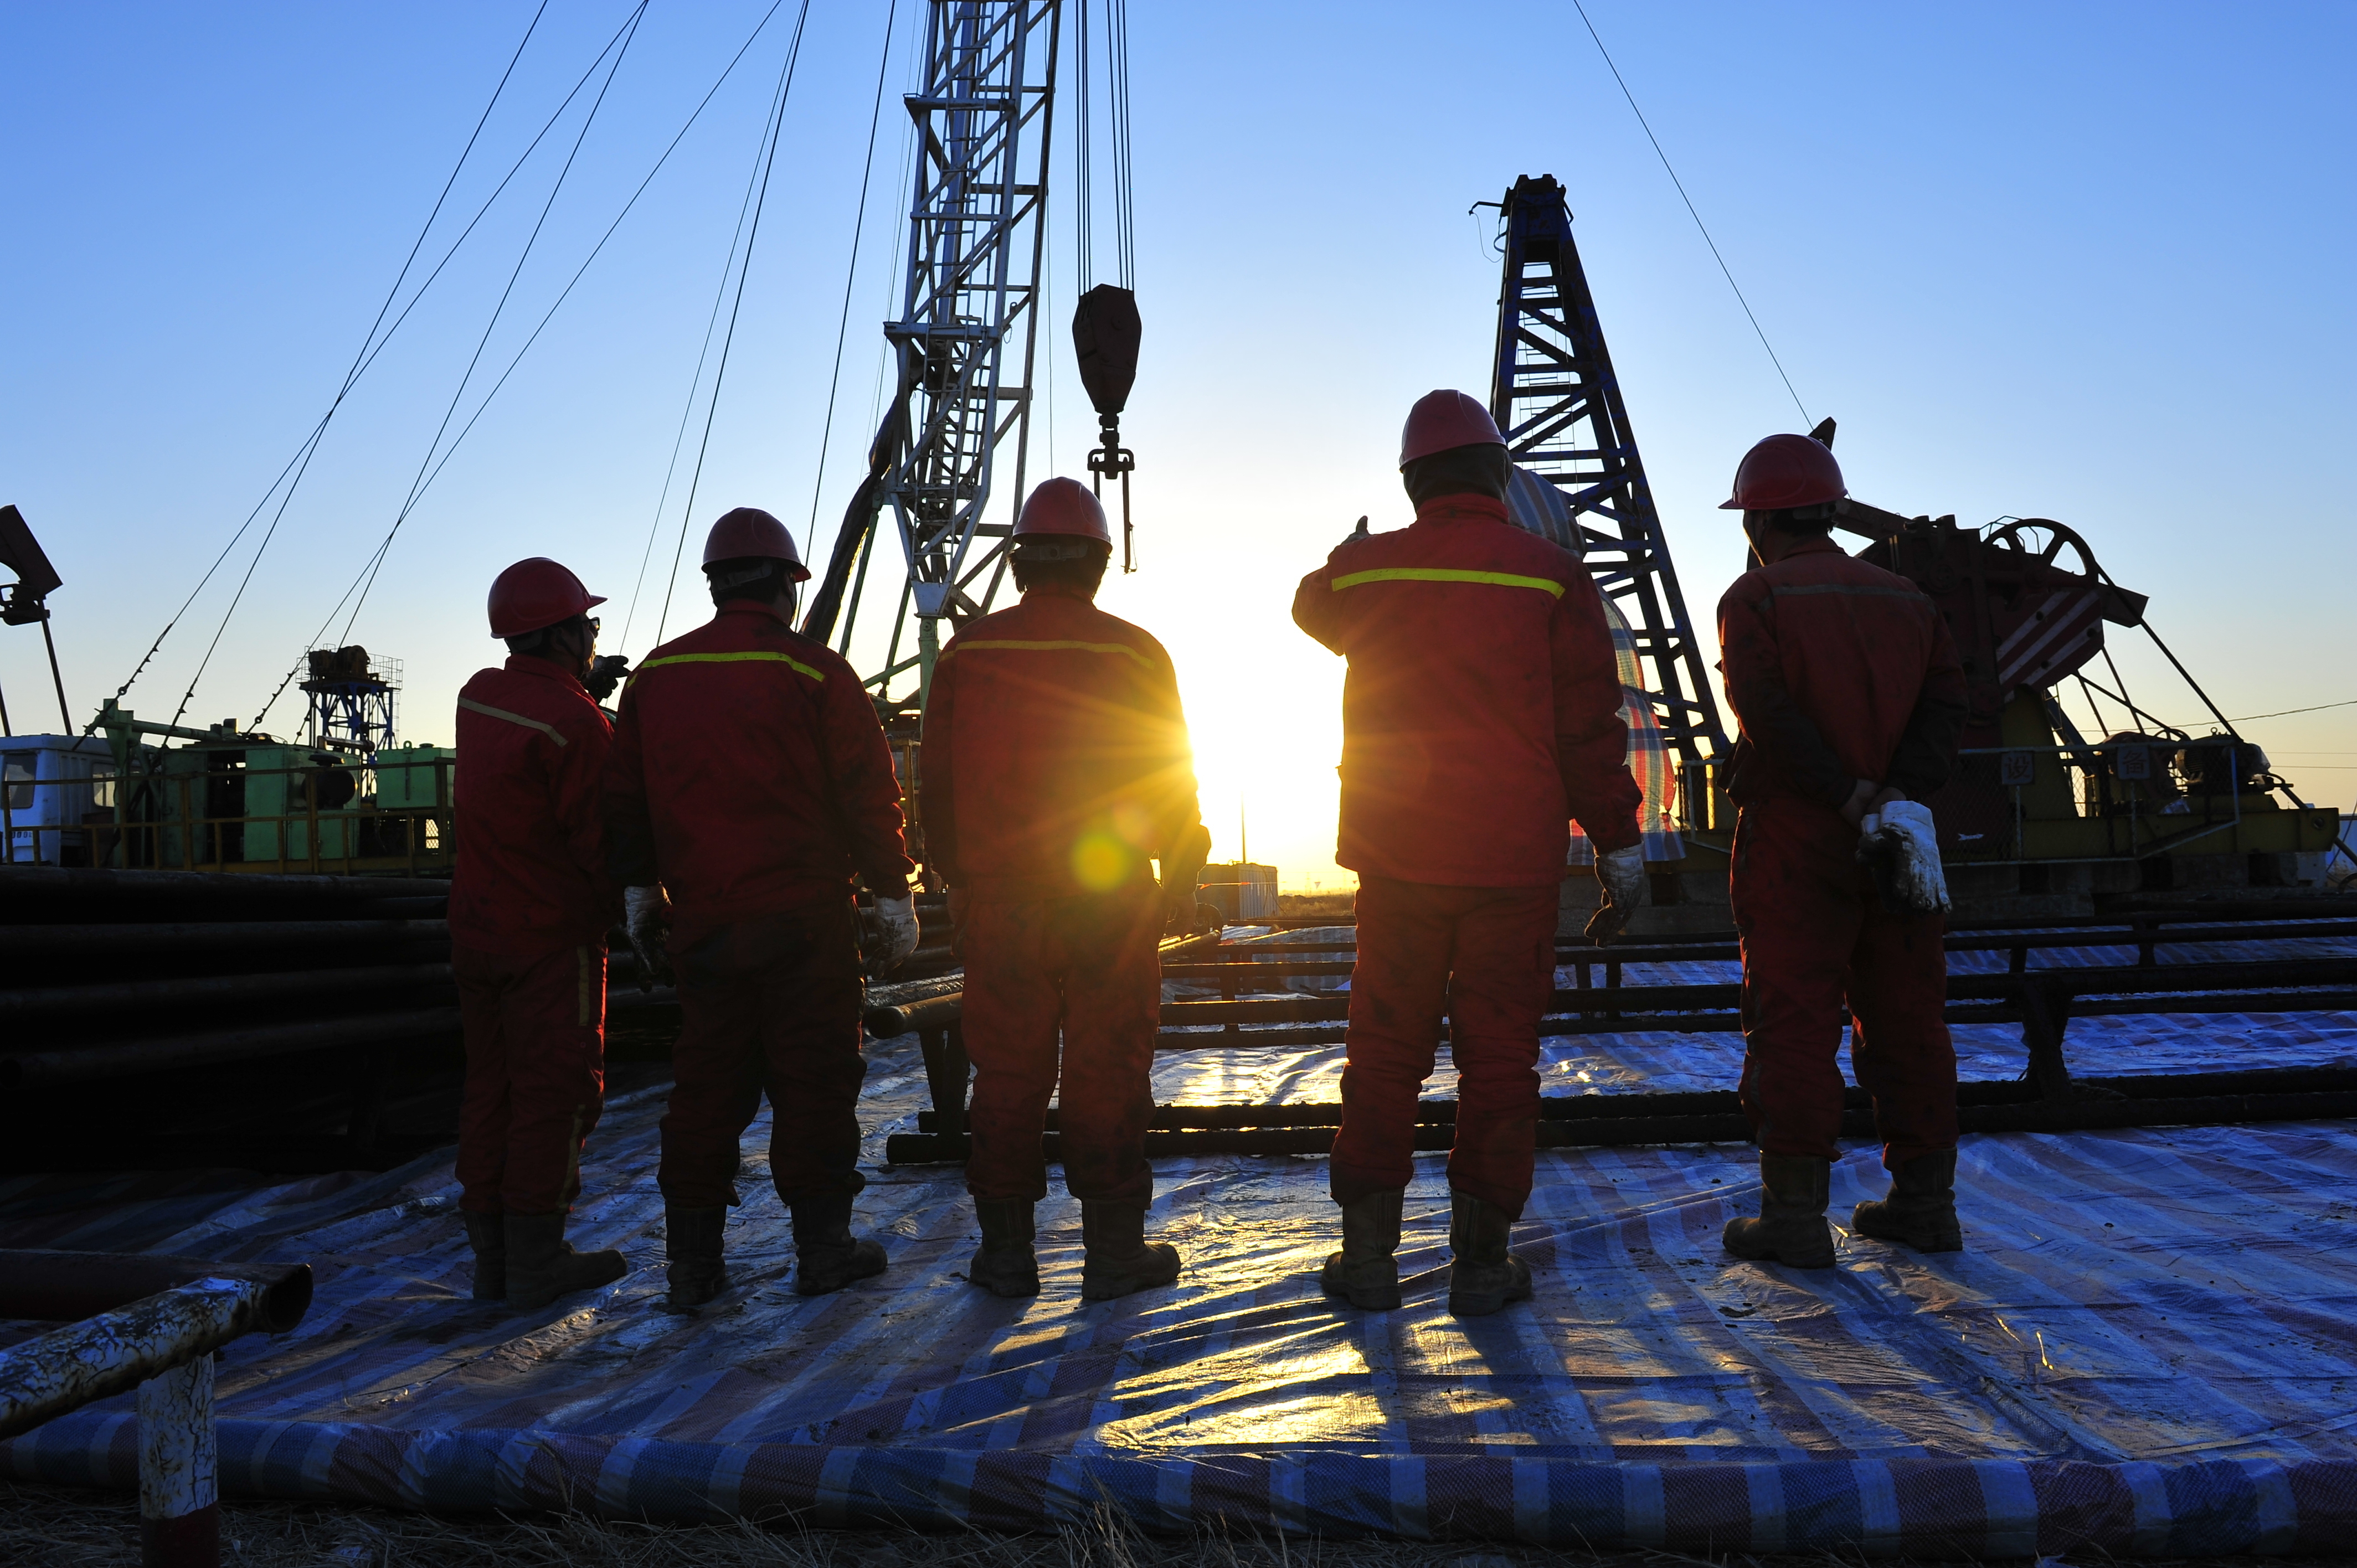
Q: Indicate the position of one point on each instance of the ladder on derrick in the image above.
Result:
(963, 343)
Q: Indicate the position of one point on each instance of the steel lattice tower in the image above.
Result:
(976, 224)
(1556, 397)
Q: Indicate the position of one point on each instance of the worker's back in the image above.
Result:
(750, 775)
(1056, 758)
(532, 749)
(1822, 641)
(1482, 708)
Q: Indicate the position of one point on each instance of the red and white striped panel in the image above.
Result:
(2058, 635)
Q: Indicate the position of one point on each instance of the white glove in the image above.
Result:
(1902, 846)
(646, 913)
(1622, 875)
(899, 919)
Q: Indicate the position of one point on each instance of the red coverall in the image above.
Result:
(1481, 713)
(530, 907)
(751, 777)
(1056, 766)
(1837, 671)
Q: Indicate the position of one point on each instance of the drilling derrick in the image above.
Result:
(970, 297)
(1554, 396)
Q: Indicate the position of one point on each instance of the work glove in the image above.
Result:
(1355, 535)
(605, 674)
(1899, 844)
(1182, 916)
(892, 927)
(1620, 874)
(646, 918)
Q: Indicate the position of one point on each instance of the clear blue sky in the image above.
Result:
(2086, 262)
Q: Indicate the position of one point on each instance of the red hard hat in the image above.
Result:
(534, 594)
(1066, 506)
(748, 532)
(1786, 471)
(1441, 420)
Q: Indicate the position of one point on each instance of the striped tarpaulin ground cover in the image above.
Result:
(2148, 1347)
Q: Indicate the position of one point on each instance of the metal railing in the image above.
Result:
(152, 1324)
(2144, 803)
(192, 819)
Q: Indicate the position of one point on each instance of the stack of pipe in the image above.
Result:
(106, 975)
(110, 974)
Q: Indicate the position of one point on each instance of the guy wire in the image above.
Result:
(1707, 239)
(777, 126)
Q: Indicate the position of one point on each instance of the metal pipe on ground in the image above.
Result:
(1633, 1017)
(1972, 1093)
(211, 936)
(69, 1064)
(160, 1342)
(1240, 963)
(914, 1004)
(2085, 1115)
(124, 995)
(47, 1285)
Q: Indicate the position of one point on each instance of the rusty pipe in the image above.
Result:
(48, 1285)
(68, 1367)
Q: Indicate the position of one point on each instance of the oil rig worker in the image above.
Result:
(1846, 685)
(1055, 769)
(1481, 715)
(530, 907)
(751, 782)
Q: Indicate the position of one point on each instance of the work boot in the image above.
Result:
(1791, 1226)
(1003, 1264)
(827, 1257)
(692, 1240)
(1921, 1209)
(1364, 1273)
(1118, 1258)
(488, 1235)
(542, 1266)
(1485, 1276)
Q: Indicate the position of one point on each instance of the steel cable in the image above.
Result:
(851, 274)
(668, 148)
(727, 341)
(416, 484)
(370, 352)
(696, 381)
(359, 363)
(1699, 225)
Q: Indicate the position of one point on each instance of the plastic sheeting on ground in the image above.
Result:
(2148, 1347)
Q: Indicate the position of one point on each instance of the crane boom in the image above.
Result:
(965, 340)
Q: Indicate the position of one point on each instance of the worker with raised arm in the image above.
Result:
(1851, 700)
(1055, 773)
(751, 783)
(530, 907)
(1481, 714)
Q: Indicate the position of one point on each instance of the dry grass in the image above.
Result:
(56, 1527)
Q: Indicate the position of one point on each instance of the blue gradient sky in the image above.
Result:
(2086, 262)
